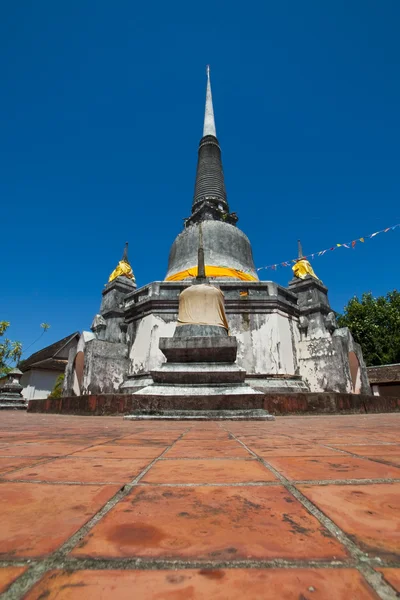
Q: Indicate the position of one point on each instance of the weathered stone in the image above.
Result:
(199, 349)
(274, 403)
(11, 392)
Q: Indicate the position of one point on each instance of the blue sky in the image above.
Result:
(100, 116)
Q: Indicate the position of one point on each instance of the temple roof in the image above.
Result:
(384, 374)
(47, 358)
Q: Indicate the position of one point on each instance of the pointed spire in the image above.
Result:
(123, 268)
(125, 254)
(209, 121)
(299, 249)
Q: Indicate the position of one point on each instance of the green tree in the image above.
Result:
(375, 325)
(56, 392)
(10, 352)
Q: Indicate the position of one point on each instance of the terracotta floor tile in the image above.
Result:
(391, 459)
(85, 470)
(208, 471)
(118, 451)
(210, 523)
(265, 451)
(338, 467)
(205, 449)
(140, 442)
(205, 584)
(346, 440)
(370, 514)
(8, 575)
(9, 464)
(36, 518)
(371, 450)
(392, 576)
(208, 435)
(270, 443)
(52, 449)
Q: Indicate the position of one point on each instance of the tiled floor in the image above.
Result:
(302, 508)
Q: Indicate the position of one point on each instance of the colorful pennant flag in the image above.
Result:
(322, 252)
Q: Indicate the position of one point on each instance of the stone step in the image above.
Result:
(200, 415)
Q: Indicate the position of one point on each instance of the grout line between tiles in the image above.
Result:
(27, 580)
(376, 582)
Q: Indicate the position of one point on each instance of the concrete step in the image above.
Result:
(200, 415)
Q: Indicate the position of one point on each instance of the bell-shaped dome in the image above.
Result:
(227, 253)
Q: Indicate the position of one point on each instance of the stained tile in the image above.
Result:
(205, 449)
(51, 449)
(210, 523)
(145, 442)
(208, 471)
(310, 450)
(86, 470)
(36, 518)
(371, 449)
(8, 575)
(390, 459)
(9, 464)
(338, 467)
(204, 584)
(118, 451)
(392, 576)
(370, 514)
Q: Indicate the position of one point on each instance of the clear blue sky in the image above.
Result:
(101, 110)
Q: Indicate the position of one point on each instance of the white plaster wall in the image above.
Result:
(145, 354)
(37, 383)
(265, 342)
(322, 366)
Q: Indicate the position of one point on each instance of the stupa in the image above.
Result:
(287, 338)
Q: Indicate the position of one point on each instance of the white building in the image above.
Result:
(41, 369)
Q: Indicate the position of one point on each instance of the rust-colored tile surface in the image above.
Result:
(212, 503)
(205, 584)
(390, 459)
(209, 523)
(392, 576)
(369, 514)
(208, 471)
(119, 451)
(8, 575)
(85, 470)
(50, 449)
(9, 464)
(36, 519)
(145, 442)
(338, 467)
(372, 450)
(299, 450)
(207, 449)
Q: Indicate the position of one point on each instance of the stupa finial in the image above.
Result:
(125, 254)
(299, 249)
(209, 121)
(123, 268)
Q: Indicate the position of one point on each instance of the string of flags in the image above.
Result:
(348, 245)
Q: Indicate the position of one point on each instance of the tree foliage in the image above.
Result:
(375, 325)
(56, 392)
(10, 352)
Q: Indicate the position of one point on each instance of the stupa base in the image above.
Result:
(13, 405)
(201, 415)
